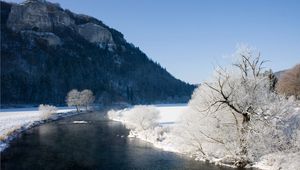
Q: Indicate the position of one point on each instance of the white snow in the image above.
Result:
(14, 119)
(80, 122)
(170, 114)
(279, 161)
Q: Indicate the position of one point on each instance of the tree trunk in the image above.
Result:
(77, 109)
(243, 142)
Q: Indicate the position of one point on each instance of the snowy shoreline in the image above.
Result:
(169, 115)
(13, 122)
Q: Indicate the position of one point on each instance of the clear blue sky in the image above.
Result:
(189, 37)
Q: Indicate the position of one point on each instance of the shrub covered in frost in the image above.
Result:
(47, 110)
(114, 115)
(141, 120)
(141, 117)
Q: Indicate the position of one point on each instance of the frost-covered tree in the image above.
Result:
(272, 79)
(77, 99)
(47, 110)
(141, 118)
(236, 113)
(114, 115)
(73, 99)
(86, 98)
(289, 82)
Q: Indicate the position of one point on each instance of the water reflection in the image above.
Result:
(97, 144)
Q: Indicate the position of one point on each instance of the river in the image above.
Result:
(96, 145)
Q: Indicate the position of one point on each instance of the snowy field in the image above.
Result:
(14, 119)
(170, 112)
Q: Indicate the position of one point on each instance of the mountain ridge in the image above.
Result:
(47, 50)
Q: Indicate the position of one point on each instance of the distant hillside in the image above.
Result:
(47, 51)
(279, 73)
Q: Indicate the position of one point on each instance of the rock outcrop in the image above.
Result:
(37, 15)
(42, 16)
(95, 33)
(48, 37)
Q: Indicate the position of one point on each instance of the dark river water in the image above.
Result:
(99, 144)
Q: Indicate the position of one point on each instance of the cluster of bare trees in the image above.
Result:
(80, 99)
(289, 82)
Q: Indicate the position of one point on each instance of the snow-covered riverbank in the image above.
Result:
(167, 117)
(15, 121)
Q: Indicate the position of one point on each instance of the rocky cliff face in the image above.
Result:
(37, 15)
(42, 16)
(47, 51)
